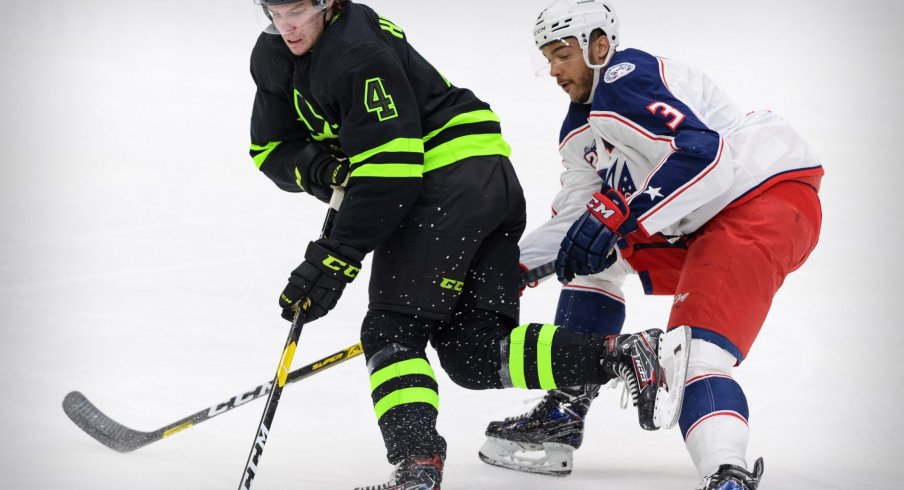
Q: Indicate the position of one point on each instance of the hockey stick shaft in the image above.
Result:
(282, 370)
(537, 273)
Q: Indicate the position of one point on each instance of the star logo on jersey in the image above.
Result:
(626, 186)
(618, 71)
(653, 192)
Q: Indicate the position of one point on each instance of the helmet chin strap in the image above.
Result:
(586, 52)
(596, 81)
(597, 69)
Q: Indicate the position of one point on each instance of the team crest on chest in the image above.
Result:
(618, 71)
(590, 155)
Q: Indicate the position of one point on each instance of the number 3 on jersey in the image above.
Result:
(377, 100)
(667, 111)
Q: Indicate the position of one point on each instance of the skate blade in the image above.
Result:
(674, 349)
(548, 458)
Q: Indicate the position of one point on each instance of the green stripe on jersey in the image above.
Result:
(398, 145)
(472, 145)
(389, 170)
(484, 115)
(264, 152)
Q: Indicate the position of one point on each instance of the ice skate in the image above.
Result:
(414, 473)
(543, 439)
(732, 477)
(653, 366)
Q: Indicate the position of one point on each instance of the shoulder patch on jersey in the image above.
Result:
(618, 71)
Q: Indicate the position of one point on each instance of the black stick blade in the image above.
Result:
(105, 430)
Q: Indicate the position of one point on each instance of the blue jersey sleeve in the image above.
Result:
(633, 93)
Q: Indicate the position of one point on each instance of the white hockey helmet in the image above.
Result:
(577, 18)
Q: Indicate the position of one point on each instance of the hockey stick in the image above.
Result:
(285, 362)
(120, 438)
(123, 439)
(537, 273)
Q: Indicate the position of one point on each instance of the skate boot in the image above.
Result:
(554, 427)
(653, 366)
(731, 477)
(414, 473)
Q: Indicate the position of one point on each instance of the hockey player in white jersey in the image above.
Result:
(705, 202)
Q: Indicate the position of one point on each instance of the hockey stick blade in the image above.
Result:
(105, 430)
(120, 438)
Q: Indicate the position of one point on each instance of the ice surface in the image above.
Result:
(142, 253)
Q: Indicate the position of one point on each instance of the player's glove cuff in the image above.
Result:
(610, 207)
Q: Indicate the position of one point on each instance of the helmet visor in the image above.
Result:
(281, 18)
(554, 53)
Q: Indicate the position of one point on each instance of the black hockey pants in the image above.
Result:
(449, 276)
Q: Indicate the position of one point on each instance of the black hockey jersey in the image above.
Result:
(366, 94)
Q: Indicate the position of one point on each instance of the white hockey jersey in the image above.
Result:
(675, 145)
(681, 150)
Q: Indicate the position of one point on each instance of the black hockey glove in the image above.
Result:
(318, 282)
(318, 170)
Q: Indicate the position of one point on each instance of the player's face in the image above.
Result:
(300, 24)
(566, 65)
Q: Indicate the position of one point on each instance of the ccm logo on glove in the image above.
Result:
(338, 265)
(319, 281)
(610, 215)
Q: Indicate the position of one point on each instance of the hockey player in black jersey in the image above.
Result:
(431, 193)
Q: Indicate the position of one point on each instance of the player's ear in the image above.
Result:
(599, 48)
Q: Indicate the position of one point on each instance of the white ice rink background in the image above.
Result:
(142, 253)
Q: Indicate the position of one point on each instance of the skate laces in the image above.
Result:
(617, 384)
(629, 380)
(548, 398)
(529, 401)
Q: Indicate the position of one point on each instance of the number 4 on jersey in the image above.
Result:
(377, 100)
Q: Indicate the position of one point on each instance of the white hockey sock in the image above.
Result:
(714, 414)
